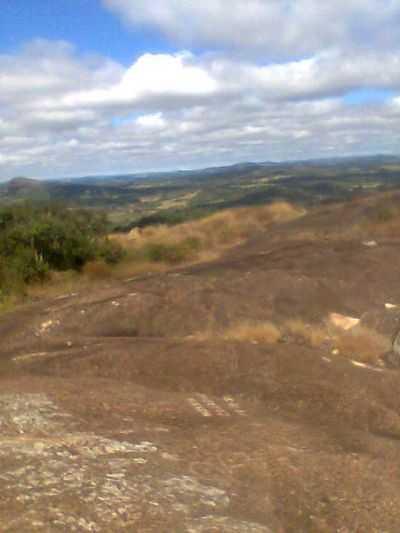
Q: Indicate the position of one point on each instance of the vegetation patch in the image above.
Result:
(172, 252)
(45, 249)
(36, 240)
(363, 344)
(196, 239)
(360, 343)
(311, 334)
(264, 332)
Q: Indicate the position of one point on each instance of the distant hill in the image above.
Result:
(20, 184)
(165, 197)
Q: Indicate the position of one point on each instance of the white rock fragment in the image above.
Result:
(343, 322)
(390, 306)
(232, 403)
(45, 326)
(370, 244)
(212, 406)
(170, 457)
(65, 296)
(357, 363)
(367, 367)
(199, 408)
(27, 357)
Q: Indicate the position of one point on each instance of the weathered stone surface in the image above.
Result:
(224, 524)
(62, 479)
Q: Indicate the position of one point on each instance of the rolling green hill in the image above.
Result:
(138, 199)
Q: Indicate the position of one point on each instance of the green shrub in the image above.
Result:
(110, 252)
(386, 213)
(37, 239)
(27, 265)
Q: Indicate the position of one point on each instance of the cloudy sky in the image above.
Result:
(109, 86)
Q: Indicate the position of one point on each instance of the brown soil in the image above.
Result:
(115, 416)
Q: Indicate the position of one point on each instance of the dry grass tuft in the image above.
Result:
(312, 335)
(362, 344)
(263, 332)
(58, 283)
(283, 211)
(97, 270)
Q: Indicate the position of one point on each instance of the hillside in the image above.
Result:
(139, 199)
(218, 396)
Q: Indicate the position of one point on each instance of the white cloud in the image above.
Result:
(64, 114)
(152, 76)
(325, 74)
(155, 120)
(43, 69)
(166, 74)
(274, 27)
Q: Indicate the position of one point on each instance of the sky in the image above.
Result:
(120, 86)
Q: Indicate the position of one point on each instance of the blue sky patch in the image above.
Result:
(368, 96)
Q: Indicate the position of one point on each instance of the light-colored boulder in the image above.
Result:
(343, 322)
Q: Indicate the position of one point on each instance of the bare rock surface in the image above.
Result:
(115, 416)
(56, 478)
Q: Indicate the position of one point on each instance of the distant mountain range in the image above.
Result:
(189, 193)
(20, 183)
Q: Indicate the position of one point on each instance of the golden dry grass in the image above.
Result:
(156, 248)
(263, 332)
(362, 344)
(208, 236)
(311, 334)
(58, 283)
(245, 331)
(97, 270)
(268, 332)
(93, 273)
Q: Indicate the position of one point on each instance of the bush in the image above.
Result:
(27, 265)
(37, 239)
(386, 213)
(110, 251)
